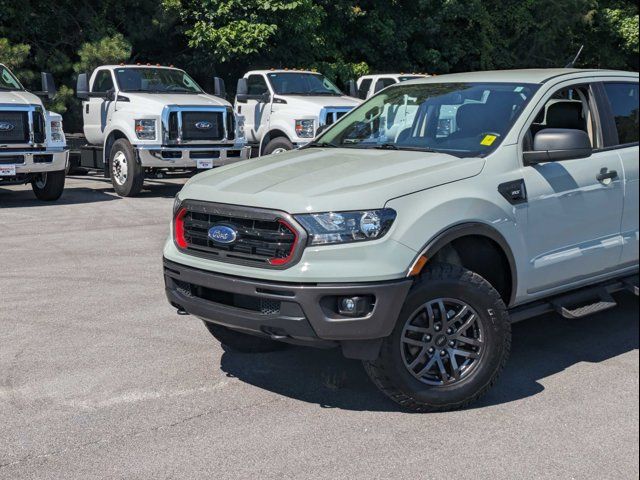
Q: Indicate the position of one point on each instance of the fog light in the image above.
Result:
(354, 306)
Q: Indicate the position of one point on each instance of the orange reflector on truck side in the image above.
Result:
(418, 266)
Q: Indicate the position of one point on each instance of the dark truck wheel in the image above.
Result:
(278, 145)
(127, 175)
(243, 342)
(452, 339)
(48, 186)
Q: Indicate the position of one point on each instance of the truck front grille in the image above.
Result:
(201, 125)
(262, 238)
(14, 127)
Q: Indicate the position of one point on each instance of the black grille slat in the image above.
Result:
(191, 132)
(17, 130)
(258, 240)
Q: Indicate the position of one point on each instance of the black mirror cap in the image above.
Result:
(556, 144)
(352, 88)
(219, 88)
(48, 85)
(82, 86)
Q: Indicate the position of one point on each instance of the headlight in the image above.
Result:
(146, 129)
(57, 134)
(304, 128)
(346, 227)
(240, 123)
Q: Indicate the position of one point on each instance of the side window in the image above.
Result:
(383, 83)
(103, 81)
(571, 108)
(257, 85)
(623, 98)
(363, 89)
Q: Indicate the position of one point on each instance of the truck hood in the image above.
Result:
(320, 180)
(19, 98)
(153, 103)
(303, 104)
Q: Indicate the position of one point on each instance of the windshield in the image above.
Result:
(292, 83)
(155, 80)
(7, 80)
(462, 119)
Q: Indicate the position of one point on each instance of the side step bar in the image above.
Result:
(578, 303)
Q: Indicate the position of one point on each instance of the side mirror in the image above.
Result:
(242, 90)
(82, 87)
(48, 85)
(219, 88)
(264, 98)
(352, 88)
(555, 144)
(110, 95)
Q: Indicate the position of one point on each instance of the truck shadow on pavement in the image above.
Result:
(542, 347)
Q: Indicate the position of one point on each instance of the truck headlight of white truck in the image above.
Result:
(305, 128)
(145, 129)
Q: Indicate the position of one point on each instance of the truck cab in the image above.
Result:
(369, 85)
(283, 109)
(143, 120)
(32, 143)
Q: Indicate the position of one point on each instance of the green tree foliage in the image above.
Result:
(341, 38)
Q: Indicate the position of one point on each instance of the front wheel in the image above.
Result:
(451, 341)
(278, 145)
(242, 342)
(48, 186)
(127, 175)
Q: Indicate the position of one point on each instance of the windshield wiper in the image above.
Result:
(321, 145)
(386, 146)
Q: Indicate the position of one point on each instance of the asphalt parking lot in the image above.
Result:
(99, 378)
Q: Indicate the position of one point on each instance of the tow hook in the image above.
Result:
(180, 311)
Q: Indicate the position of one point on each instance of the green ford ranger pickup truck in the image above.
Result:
(417, 228)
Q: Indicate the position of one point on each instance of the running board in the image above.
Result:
(581, 305)
(578, 303)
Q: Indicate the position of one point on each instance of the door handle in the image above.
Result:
(86, 109)
(606, 175)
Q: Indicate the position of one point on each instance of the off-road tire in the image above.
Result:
(132, 185)
(48, 186)
(278, 144)
(242, 342)
(389, 373)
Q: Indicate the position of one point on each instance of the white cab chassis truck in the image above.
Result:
(143, 121)
(285, 109)
(32, 143)
(368, 85)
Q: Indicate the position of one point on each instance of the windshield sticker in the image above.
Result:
(488, 140)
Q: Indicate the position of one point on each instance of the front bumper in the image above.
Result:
(36, 161)
(285, 311)
(187, 157)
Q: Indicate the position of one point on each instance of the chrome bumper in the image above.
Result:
(29, 161)
(185, 157)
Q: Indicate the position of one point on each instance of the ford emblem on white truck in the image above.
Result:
(6, 126)
(203, 125)
(223, 234)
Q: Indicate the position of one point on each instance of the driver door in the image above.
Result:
(256, 114)
(572, 229)
(95, 111)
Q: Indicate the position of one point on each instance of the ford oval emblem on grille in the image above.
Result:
(222, 234)
(203, 125)
(6, 126)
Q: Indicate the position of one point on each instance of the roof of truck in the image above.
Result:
(540, 75)
(139, 65)
(282, 70)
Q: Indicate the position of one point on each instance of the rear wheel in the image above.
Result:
(48, 186)
(278, 145)
(449, 345)
(243, 342)
(127, 175)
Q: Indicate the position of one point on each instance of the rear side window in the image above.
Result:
(623, 98)
(103, 81)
